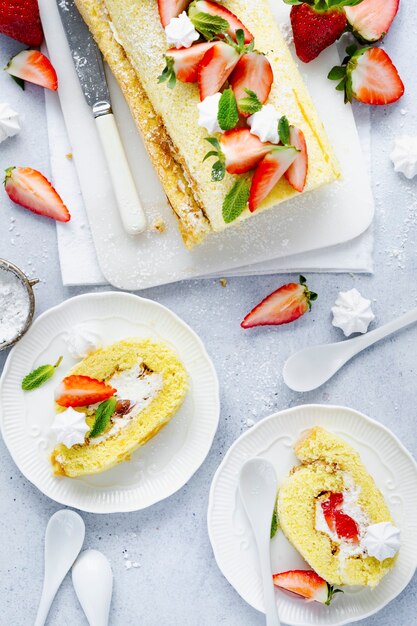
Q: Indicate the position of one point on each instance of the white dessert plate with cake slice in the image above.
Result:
(394, 471)
(157, 469)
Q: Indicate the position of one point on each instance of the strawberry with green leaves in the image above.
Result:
(307, 584)
(200, 11)
(33, 66)
(369, 76)
(182, 64)
(253, 72)
(371, 19)
(316, 24)
(283, 306)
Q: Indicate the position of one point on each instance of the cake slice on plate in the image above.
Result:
(245, 55)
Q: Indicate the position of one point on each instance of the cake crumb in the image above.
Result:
(223, 282)
(158, 225)
(250, 423)
(69, 156)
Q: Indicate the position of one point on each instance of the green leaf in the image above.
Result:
(39, 376)
(208, 25)
(227, 115)
(218, 169)
(274, 523)
(240, 39)
(19, 81)
(342, 85)
(235, 201)
(284, 130)
(336, 73)
(103, 414)
(168, 74)
(350, 50)
(250, 104)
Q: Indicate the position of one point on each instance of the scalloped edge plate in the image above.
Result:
(394, 471)
(157, 469)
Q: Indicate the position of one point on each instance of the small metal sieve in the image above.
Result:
(28, 284)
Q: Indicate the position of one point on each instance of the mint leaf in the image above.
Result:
(103, 414)
(235, 201)
(218, 169)
(208, 25)
(250, 104)
(284, 130)
(168, 74)
(274, 523)
(39, 376)
(227, 115)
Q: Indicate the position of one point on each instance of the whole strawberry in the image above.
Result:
(20, 19)
(316, 24)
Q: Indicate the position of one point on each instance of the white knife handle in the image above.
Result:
(130, 207)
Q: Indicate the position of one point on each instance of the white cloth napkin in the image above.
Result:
(79, 265)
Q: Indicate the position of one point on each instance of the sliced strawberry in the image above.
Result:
(215, 68)
(339, 522)
(186, 60)
(329, 507)
(296, 174)
(307, 584)
(213, 8)
(242, 150)
(78, 390)
(32, 190)
(253, 71)
(284, 305)
(372, 78)
(35, 67)
(314, 30)
(20, 19)
(171, 8)
(370, 20)
(268, 173)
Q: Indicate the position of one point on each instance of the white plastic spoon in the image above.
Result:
(312, 367)
(93, 583)
(64, 538)
(258, 491)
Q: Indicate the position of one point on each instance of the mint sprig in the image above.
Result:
(235, 201)
(168, 73)
(39, 376)
(227, 115)
(208, 25)
(250, 104)
(284, 131)
(218, 169)
(103, 414)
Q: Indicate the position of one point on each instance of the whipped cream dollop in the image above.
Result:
(80, 342)
(382, 540)
(180, 31)
(264, 123)
(9, 121)
(70, 427)
(404, 156)
(208, 110)
(352, 313)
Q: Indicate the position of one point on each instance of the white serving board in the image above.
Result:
(326, 217)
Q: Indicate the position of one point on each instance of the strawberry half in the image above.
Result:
(296, 174)
(314, 29)
(20, 19)
(33, 191)
(78, 390)
(33, 66)
(215, 68)
(242, 150)
(253, 71)
(269, 171)
(186, 60)
(370, 20)
(307, 584)
(283, 306)
(171, 8)
(343, 525)
(213, 8)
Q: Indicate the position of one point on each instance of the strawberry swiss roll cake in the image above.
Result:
(223, 111)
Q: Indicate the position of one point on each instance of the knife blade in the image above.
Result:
(88, 64)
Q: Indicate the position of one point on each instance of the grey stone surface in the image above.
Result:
(178, 581)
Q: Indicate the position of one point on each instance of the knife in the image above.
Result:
(89, 66)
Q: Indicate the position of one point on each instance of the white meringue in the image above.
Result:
(70, 427)
(264, 123)
(404, 156)
(208, 111)
(180, 31)
(9, 121)
(382, 540)
(80, 342)
(352, 313)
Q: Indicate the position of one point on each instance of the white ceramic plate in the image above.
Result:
(157, 469)
(394, 471)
